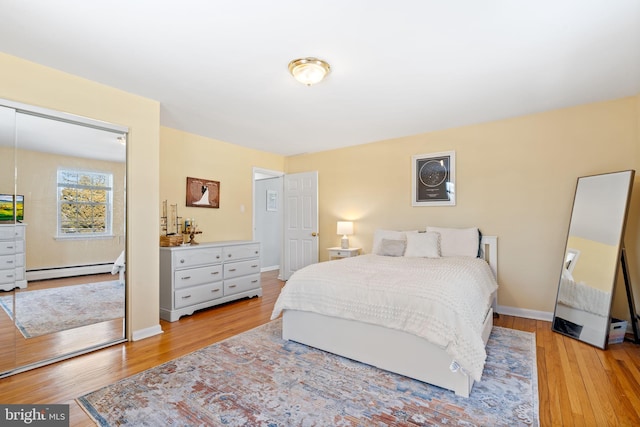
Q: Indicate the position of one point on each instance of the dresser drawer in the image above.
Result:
(198, 276)
(11, 261)
(11, 247)
(192, 257)
(12, 275)
(241, 284)
(231, 253)
(241, 268)
(197, 294)
(12, 233)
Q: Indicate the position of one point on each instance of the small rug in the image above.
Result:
(257, 379)
(52, 310)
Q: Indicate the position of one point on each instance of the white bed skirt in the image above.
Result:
(389, 349)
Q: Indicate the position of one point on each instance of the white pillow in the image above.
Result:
(380, 234)
(392, 247)
(425, 245)
(458, 241)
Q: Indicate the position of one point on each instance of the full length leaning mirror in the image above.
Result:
(592, 255)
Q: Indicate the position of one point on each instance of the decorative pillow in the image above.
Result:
(458, 241)
(425, 245)
(380, 234)
(392, 247)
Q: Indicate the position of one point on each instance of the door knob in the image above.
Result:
(314, 234)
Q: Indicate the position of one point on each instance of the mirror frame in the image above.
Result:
(618, 263)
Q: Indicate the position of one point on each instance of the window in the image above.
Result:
(85, 203)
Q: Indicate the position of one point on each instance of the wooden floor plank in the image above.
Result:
(578, 384)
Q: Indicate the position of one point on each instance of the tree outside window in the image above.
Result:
(84, 203)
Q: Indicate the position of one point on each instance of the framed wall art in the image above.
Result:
(203, 193)
(434, 178)
(272, 200)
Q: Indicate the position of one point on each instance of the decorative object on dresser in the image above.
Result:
(197, 277)
(170, 224)
(203, 193)
(12, 256)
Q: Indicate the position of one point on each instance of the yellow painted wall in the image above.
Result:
(30, 83)
(515, 179)
(185, 155)
(596, 264)
(37, 177)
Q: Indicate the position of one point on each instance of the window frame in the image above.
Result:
(108, 204)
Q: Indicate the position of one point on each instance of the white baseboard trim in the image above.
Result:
(526, 313)
(270, 268)
(56, 273)
(146, 333)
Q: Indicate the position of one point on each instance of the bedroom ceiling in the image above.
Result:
(402, 67)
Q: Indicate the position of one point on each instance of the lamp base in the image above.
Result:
(344, 243)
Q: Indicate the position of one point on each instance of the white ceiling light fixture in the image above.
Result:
(309, 71)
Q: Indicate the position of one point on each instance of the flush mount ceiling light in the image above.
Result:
(309, 71)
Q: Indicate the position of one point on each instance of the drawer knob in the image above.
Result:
(217, 256)
(9, 247)
(254, 281)
(232, 269)
(232, 286)
(256, 252)
(215, 290)
(186, 278)
(10, 262)
(186, 296)
(215, 272)
(229, 255)
(182, 261)
(254, 265)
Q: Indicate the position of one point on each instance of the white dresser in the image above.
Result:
(208, 274)
(12, 256)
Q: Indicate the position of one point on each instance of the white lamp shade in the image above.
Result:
(345, 228)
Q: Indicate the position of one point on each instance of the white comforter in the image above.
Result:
(443, 300)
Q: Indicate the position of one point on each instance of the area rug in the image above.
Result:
(257, 379)
(52, 310)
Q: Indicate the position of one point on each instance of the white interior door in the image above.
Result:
(300, 222)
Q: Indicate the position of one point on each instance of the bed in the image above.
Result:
(436, 333)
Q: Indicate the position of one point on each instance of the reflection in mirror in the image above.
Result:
(71, 172)
(592, 256)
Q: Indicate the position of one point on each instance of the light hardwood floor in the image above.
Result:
(14, 347)
(578, 384)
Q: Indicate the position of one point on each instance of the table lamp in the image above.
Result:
(345, 228)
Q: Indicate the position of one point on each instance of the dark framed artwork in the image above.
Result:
(434, 177)
(203, 193)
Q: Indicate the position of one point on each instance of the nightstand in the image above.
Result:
(343, 253)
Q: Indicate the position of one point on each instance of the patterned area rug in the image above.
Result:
(257, 379)
(46, 311)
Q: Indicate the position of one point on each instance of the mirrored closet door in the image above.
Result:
(62, 236)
